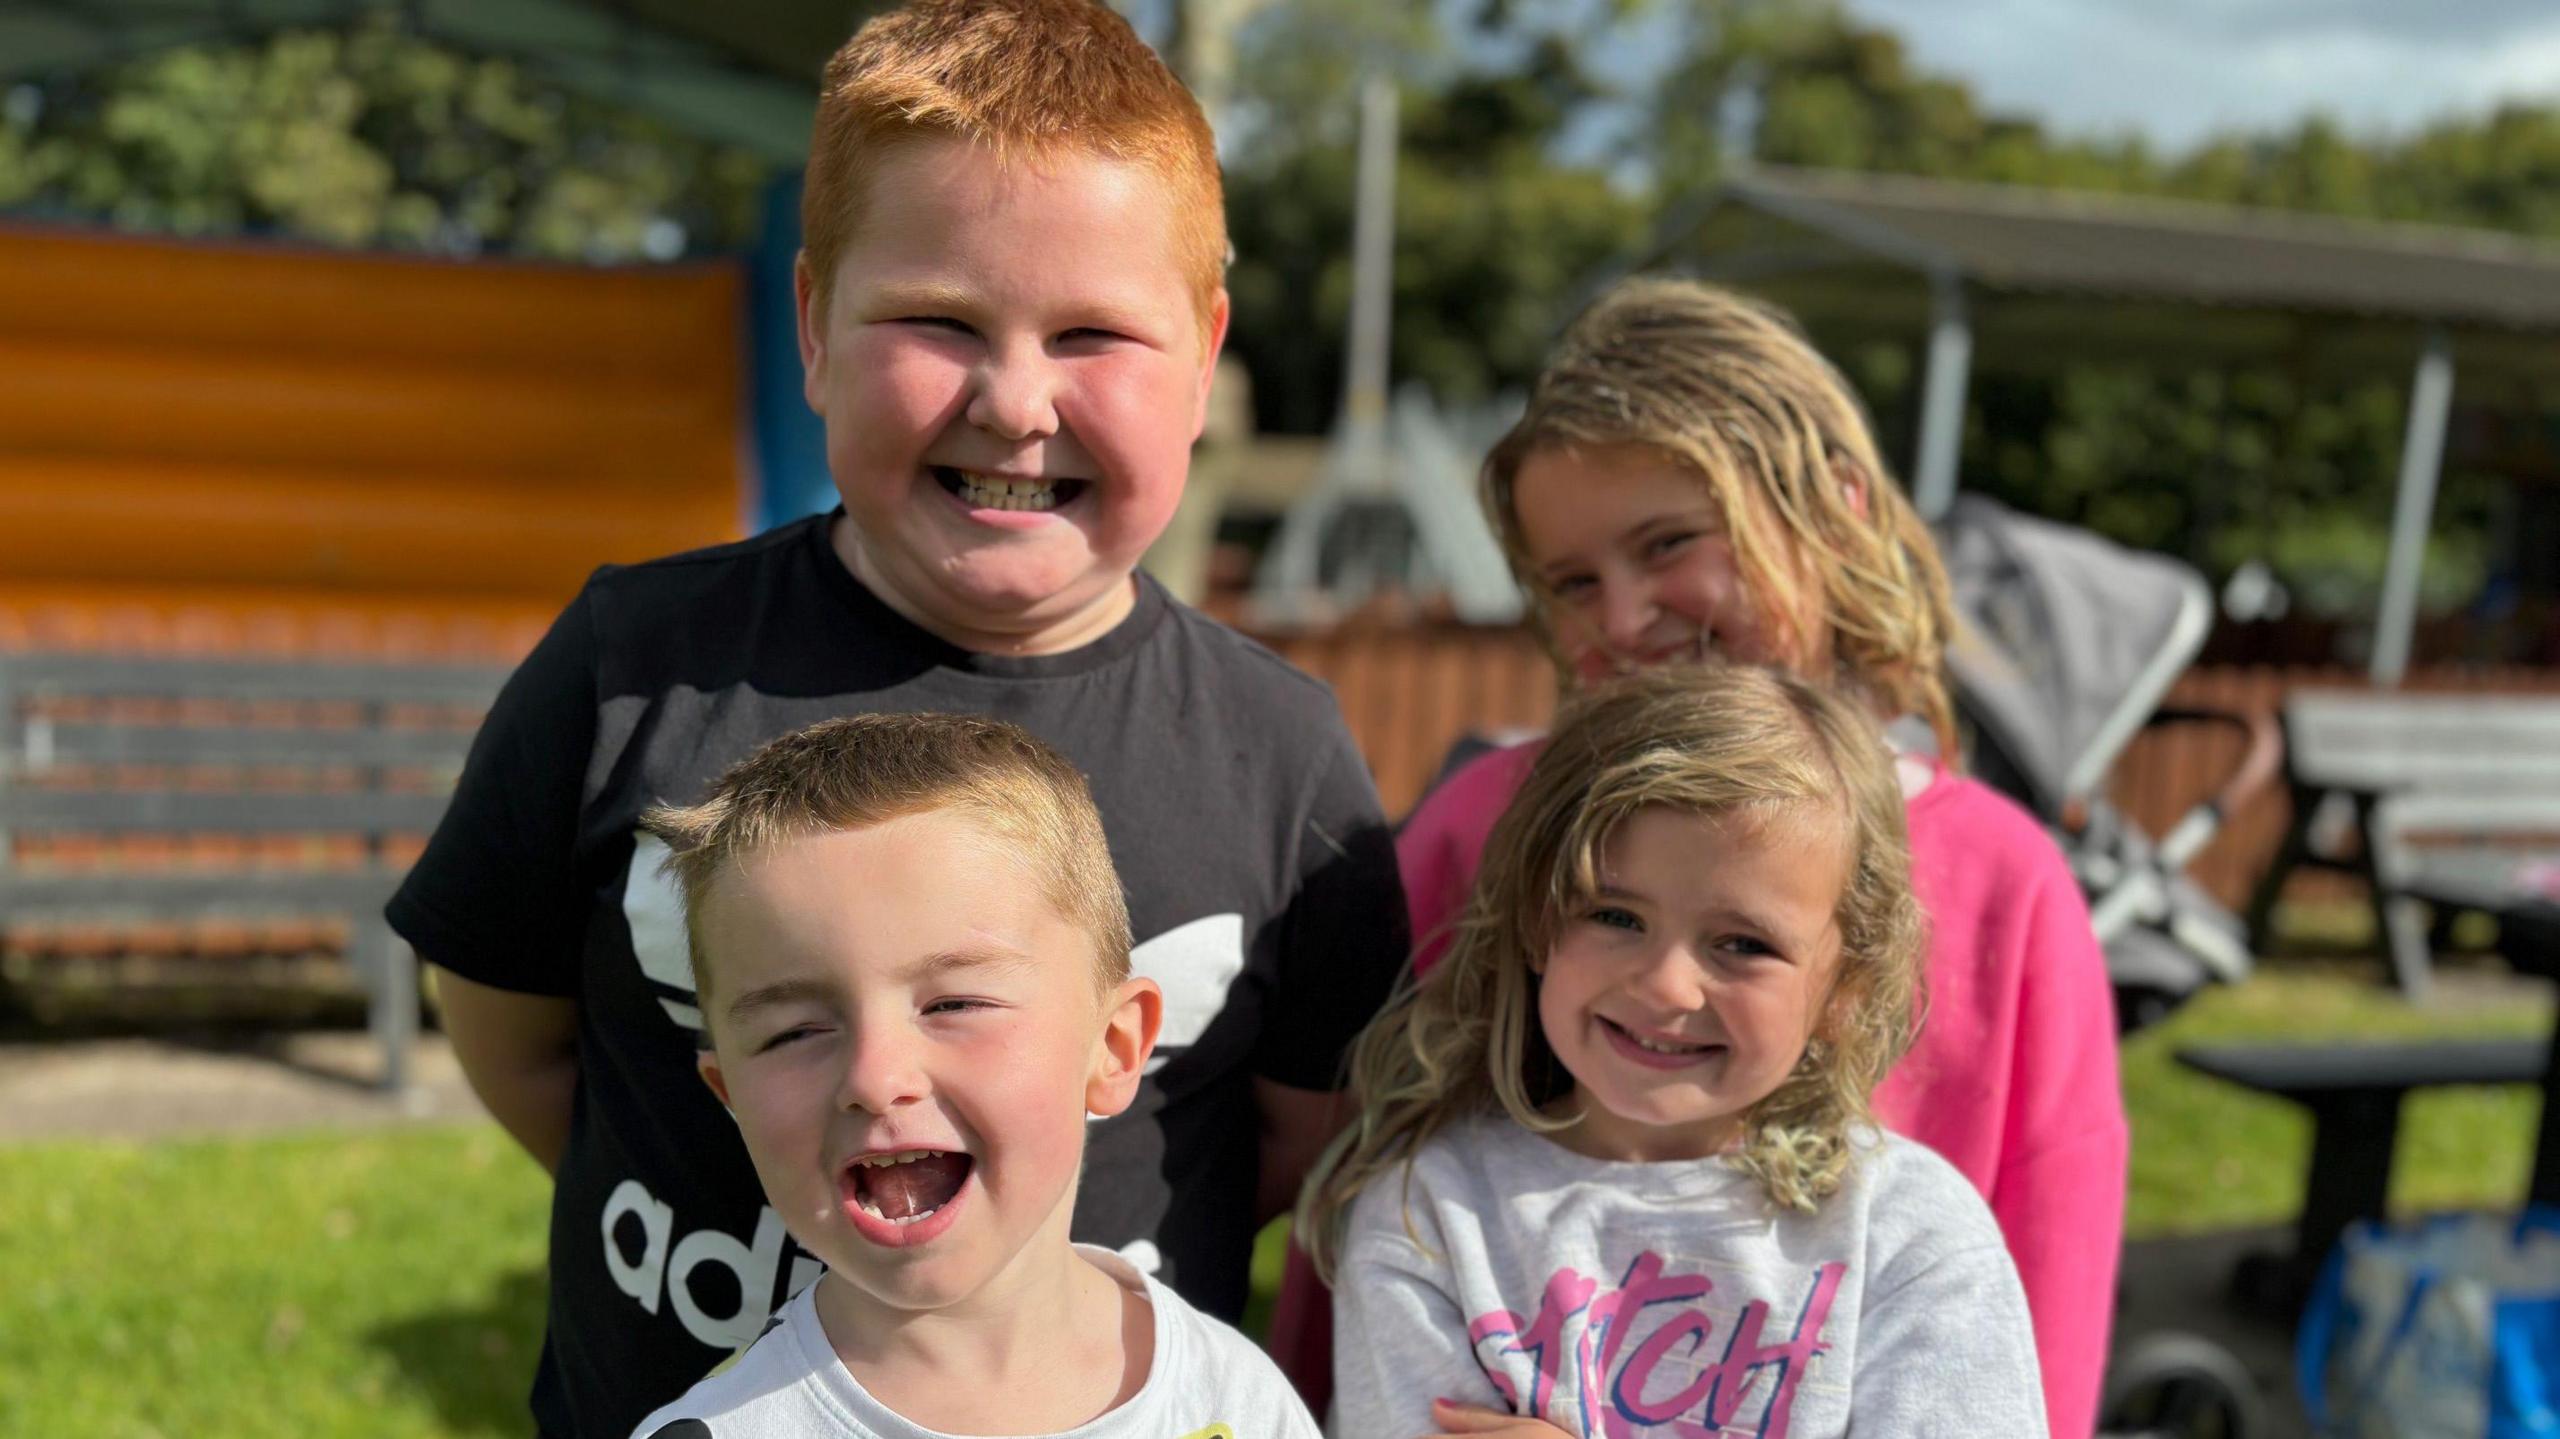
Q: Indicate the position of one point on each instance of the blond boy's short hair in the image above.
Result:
(1022, 78)
(846, 774)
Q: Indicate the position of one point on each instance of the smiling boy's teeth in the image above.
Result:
(998, 492)
(908, 1156)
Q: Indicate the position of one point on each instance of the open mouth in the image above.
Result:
(1005, 492)
(909, 1186)
(1657, 1052)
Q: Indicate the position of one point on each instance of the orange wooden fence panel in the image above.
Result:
(186, 415)
(1410, 692)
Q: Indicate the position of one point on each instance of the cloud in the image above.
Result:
(2177, 71)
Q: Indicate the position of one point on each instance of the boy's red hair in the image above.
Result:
(1022, 78)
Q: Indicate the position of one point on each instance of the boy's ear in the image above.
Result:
(707, 1064)
(1219, 314)
(805, 313)
(1130, 1019)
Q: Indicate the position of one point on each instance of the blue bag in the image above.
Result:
(2447, 1328)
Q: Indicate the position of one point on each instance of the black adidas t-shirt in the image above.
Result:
(1260, 874)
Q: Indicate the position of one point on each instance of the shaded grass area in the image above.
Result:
(359, 1285)
(2209, 1155)
(390, 1285)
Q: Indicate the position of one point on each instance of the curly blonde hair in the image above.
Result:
(1717, 741)
(1728, 388)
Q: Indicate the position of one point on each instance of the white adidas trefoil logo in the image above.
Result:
(654, 909)
(1195, 964)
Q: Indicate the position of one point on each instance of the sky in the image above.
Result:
(2177, 71)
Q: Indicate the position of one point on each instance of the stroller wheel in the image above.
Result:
(2178, 1386)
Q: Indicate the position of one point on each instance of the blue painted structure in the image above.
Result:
(790, 443)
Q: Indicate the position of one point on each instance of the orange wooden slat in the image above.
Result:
(238, 407)
(87, 285)
(97, 520)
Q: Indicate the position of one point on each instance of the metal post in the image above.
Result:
(1933, 484)
(1356, 463)
(2421, 460)
(1373, 257)
(1204, 48)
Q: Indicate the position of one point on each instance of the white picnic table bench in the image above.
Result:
(2441, 786)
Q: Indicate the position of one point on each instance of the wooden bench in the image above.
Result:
(2353, 1092)
(136, 792)
(2432, 781)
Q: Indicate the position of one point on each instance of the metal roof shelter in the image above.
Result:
(2032, 278)
(743, 71)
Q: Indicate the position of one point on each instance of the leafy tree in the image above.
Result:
(370, 136)
(1493, 233)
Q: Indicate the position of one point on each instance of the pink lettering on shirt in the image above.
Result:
(1626, 1335)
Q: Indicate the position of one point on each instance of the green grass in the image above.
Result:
(2209, 1155)
(381, 1285)
(389, 1286)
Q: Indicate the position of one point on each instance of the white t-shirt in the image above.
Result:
(1207, 1382)
(1670, 1299)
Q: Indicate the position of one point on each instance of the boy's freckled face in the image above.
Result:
(1012, 370)
(903, 990)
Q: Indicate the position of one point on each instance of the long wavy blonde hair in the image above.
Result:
(1728, 388)
(1716, 741)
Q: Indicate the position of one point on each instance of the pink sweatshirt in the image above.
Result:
(2013, 1078)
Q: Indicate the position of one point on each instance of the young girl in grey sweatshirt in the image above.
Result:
(1614, 1173)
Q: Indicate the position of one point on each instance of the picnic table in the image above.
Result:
(2354, 1091)
(2482, 770)
(2529, 936)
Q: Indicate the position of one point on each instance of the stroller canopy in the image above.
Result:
(2064, 641)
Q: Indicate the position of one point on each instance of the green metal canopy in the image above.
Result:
(741, 72)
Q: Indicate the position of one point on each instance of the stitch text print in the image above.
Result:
(1625, 1335)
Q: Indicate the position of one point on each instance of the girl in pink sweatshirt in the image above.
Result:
(1693, 480)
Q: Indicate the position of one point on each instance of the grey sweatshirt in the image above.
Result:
(1638, 1300)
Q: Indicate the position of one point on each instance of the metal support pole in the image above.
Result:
(1373, 258)
(2421, 460)
(1933, 484)
(1356, 465)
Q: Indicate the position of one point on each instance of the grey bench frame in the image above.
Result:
(2482, 766)
(33, 745)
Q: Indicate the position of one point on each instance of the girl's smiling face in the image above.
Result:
(1635, 559)
(1684, 991)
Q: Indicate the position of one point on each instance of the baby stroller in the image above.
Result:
(2066, 645)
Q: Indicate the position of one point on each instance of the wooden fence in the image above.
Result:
(1410, 692)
